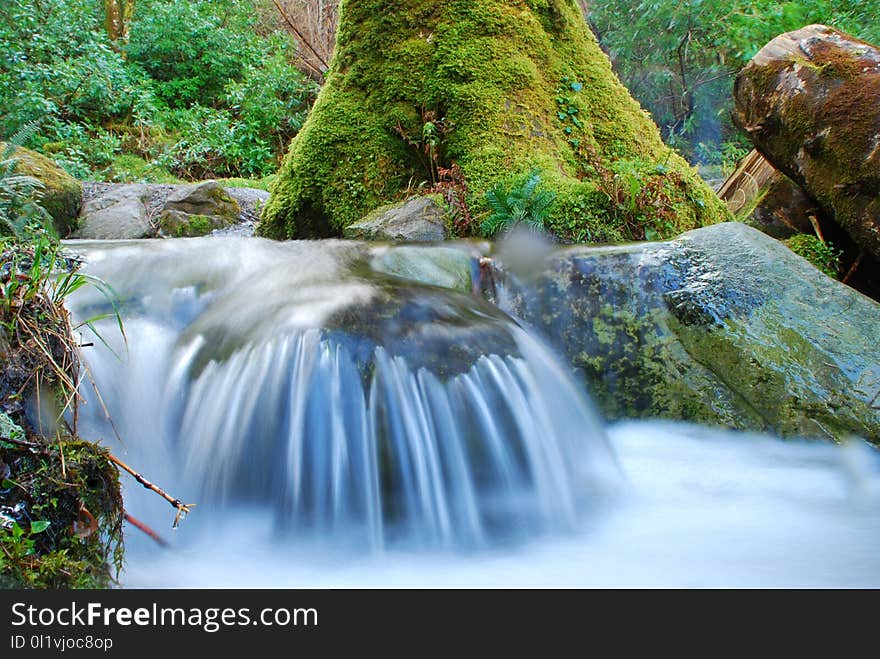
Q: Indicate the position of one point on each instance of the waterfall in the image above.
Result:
(282, 375)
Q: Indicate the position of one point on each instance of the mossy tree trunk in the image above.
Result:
(422, 92)
(810, 102)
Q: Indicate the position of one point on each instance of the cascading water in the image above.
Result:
(339, 426)
(355, 406)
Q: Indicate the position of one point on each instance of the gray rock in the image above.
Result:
(119, 212)
(722, 325)
(251, 201)
(417, 220)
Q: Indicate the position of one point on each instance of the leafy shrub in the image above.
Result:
(79, 149)
(521, 204)
(212, 144)
(823, 255)
(273, 97)
(57, 62)
(192, 49)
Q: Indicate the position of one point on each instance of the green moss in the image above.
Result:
(72, 486)
(62, 194)
(184, 225)
(784, 378)
(509, 87)
(255, 183)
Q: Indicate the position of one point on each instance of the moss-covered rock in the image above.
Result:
(481, 92)
(810, 102)
(196, 210)
(61, 195)
(723, 325)
(177, 224)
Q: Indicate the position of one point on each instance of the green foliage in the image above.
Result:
(524, 204)
(55, 62)
(130, 168)
(678, 58)
(186, 62)
(821, 254)
(192, 49)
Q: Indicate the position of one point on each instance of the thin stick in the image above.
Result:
(183, 509)
(22, 443)
(103, 405)
(300, 36)
(854, 267)
(815, 222)
(138, 524)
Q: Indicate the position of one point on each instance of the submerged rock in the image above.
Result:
(446, 267)
(417, 220)
(723, 325)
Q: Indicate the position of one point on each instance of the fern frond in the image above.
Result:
(21, 137)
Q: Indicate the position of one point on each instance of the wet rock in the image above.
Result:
(445, 267)
(723, 325)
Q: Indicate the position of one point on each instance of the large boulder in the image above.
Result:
(810, 102)
(61, 195)
(723, 325)
(118, 212)
(417, 220)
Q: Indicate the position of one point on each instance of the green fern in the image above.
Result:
(525, 205)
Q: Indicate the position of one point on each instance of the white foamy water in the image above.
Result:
(323, 457)
(703, 509)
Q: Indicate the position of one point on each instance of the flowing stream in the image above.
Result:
(341, 426)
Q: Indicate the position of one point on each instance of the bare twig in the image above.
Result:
(138, 524)
(22, 443)
(183, 509)
(818, 229)
(299, 35)
(853, 268)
